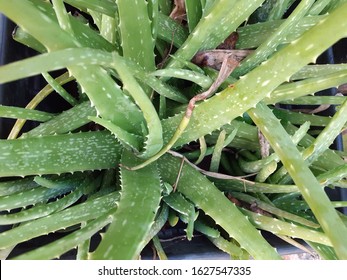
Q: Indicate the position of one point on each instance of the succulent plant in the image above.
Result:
(146, 158)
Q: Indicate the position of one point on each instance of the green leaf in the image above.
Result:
(136, 32)
(58, 154)
(141, 193)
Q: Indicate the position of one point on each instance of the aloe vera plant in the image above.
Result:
(151, 138)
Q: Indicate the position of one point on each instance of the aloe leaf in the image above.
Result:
(137, 123)
(41, 63)
(203, 150)
(177, 202)
(333, 175)
(309, 86)
(17, 185)
(58, 154)
(25, 38)
(207, 5)
(194, 13)
(217, 152)
(20, 113)
(165, 6)
(328, 134)
(283, 228)
(83, 247)
(135, 215)
(59, 89)
(299, 206)
(303, 177)
(128, 140)
(338, 204)
(108, 29)
(62, 16)
(65, 122)
(206, 229)
(227, 164)
(298, 118)
(88, 210)
(319, 70)
(60, 182)
(154, 141)
(266, 171)
(164, 89)
(170, 31)
(153, 14)
(316, 100)
(195, 68)
(159, 223)
(207, 197)
(227, 246)
(134, 26)
(284, 198)
(201, 80)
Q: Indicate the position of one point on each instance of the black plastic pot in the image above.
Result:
(20, 92)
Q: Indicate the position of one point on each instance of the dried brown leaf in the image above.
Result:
(179, 11)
